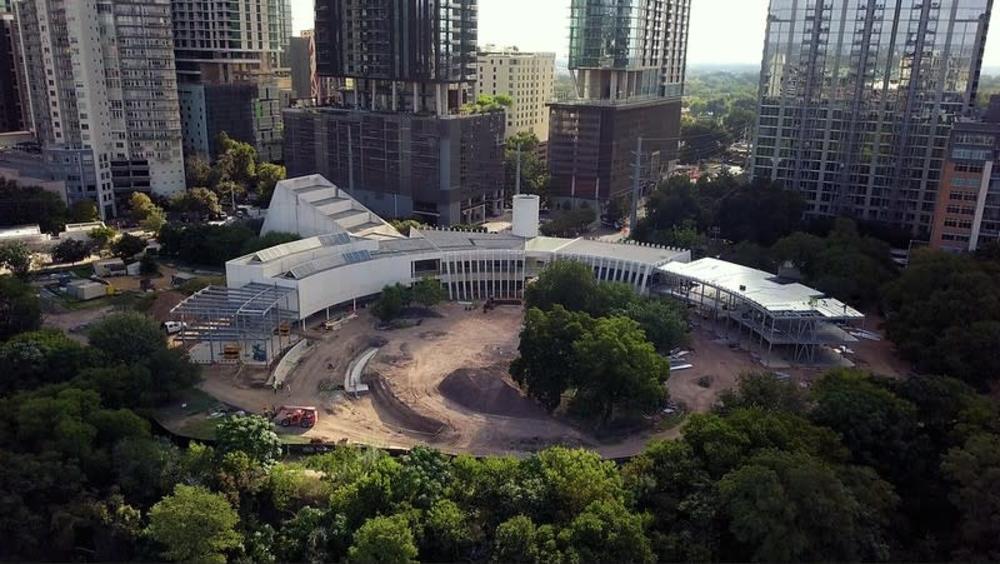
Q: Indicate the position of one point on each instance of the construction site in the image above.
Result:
(442, 379)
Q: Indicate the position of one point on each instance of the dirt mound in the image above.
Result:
(397, 411)
(485, 390)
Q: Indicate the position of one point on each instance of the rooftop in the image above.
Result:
(761, 288)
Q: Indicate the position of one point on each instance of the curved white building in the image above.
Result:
(349, 253)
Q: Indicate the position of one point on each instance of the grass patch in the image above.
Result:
(671, 421)
(199, 427)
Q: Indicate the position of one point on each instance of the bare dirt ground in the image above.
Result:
(75, 322)
(445, 383)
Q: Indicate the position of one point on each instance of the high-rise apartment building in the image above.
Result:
(402, 140)
(967, 215)
(857, 102)
(219, 41)
(103, 90)
(627, 58)
(233, 53)
(14, 109)
(528, 78)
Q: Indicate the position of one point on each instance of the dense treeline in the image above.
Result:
(760, 225)
(856, 468)
(942, 311)
(213, 245)
(721, 108)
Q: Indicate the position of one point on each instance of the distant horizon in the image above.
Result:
(504, 23)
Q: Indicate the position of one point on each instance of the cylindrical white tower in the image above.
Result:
(525, 222)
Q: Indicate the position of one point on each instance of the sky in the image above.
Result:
(721, 31)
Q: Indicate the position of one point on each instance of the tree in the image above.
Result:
(100, 237)
(272, 239)
(237, 161)
(200, 202)
(941, 313)
(251, 434)
(879, 428)
(514, 541)
(229, 191)
(140, 206)
(383, 539)
(198, 171)
(570, 223)
(194, 524)
(567, 283)
(670, 483)
(127, 337)
(534, 172)
(154, 222)
(428, 292)
(663, 322)
(127, 246)
(702, 139)
(547, 361)
(148, 265)
(619, 370)
(83, 211)
(573, 479)
(844, 264)
(448, 536)
(974, 469)
(19, 309)
(390, 304)
(70, 250)
(607, 532)
(268, 176)
(15, 257)
(405, 225)
(763, 390)
(28, 205)
(791, 507)
(211, 245)
(35, 358)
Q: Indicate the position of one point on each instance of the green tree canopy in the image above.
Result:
(428, 292)
(127, 337)
(70, 250)
(619, 371)
(19, 308)
(391, 302)
(383, 539)
(15, 257)
(791, 507)
(547, 365)
(250, 434)
(975, 470)
(28, 205)
(194, 525)
(127, 246)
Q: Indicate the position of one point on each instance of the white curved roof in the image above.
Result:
(761, 288)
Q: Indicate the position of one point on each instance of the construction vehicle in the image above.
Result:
(296, 416)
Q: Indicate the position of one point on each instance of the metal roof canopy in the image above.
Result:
(219, 313)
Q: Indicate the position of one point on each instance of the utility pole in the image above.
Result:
(517, 179)
(634, 219)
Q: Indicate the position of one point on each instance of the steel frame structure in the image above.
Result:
(802, 331)
(251, 314)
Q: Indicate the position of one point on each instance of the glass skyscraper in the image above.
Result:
(858, 97)
(627, 60)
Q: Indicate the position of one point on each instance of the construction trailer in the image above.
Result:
(247, 325)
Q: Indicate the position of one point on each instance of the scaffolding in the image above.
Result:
(251, 323)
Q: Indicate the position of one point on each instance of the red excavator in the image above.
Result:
(296, 415)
